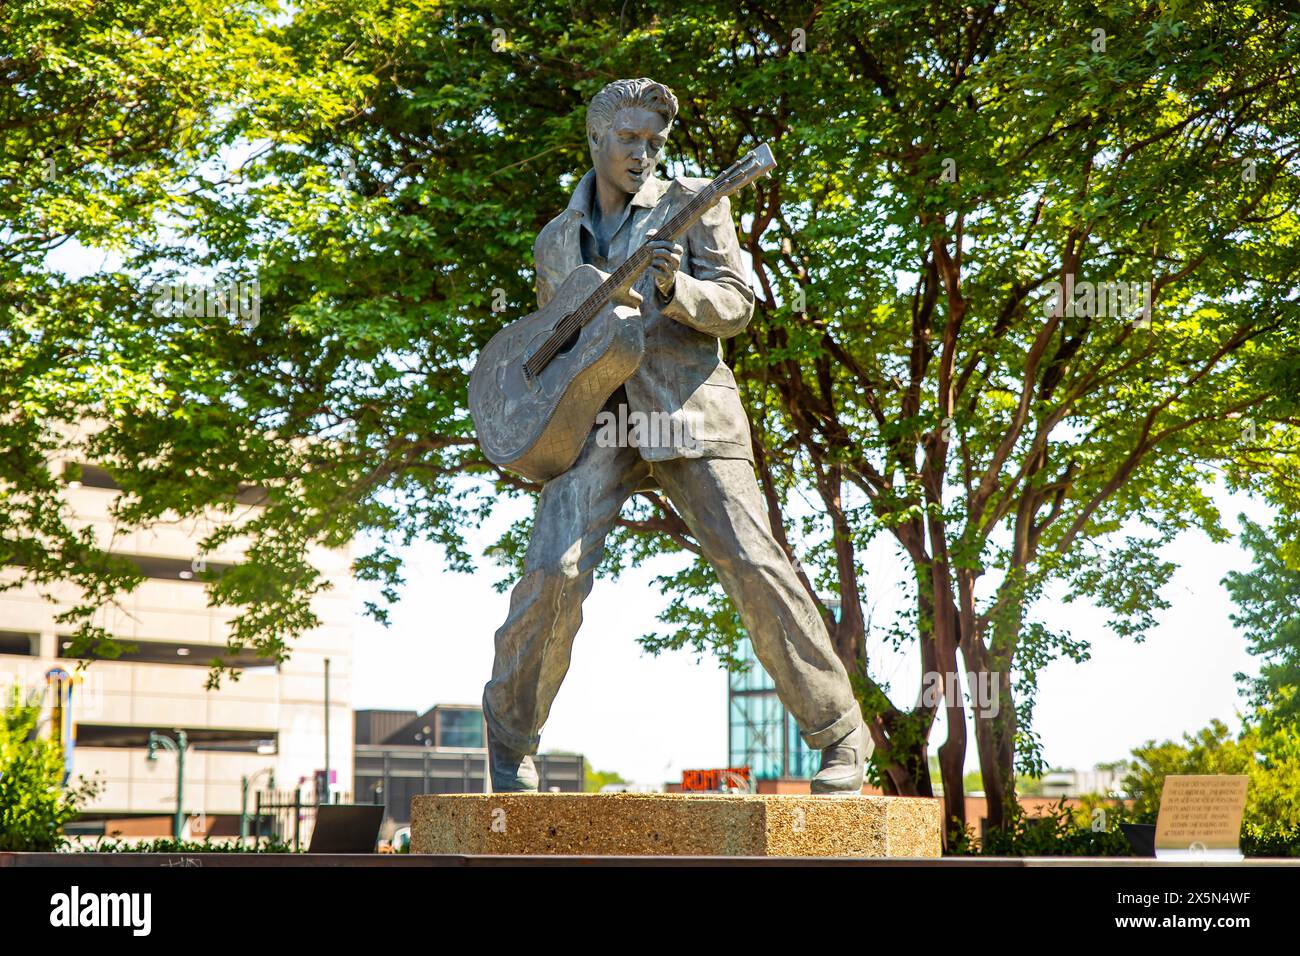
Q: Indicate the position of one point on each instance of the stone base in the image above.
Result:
(676, 824)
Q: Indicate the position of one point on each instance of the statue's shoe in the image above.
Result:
(512, 771)
(843, 764)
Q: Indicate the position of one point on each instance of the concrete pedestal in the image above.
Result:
(676, 824)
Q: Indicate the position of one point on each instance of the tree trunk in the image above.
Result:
(952, 753)
(995, 733)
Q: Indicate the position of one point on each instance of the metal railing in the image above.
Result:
(288, 815)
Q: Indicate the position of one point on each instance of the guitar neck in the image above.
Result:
(671, 231)
(740, 174)
(623, 277)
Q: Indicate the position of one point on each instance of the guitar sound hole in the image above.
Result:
(569, 343)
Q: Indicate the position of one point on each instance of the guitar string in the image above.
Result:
(596, 301)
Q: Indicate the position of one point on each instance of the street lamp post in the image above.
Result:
(326, 788)
(179, 746)
(244, 784)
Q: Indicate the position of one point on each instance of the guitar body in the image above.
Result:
(536, 425)
(538, 386)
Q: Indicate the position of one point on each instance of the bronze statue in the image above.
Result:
(693, 294)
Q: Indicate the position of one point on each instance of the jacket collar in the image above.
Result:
(584, 194)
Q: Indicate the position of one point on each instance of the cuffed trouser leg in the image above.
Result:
(575, 513)
(720, 501)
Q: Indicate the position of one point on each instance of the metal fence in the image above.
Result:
(287, 815)
(394, 775)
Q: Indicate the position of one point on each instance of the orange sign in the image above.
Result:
(696, 780)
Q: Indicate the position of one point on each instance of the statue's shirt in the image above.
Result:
(682, 374)
(618, 243)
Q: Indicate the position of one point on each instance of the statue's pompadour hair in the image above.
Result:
(643, 93)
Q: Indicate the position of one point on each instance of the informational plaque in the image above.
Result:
(1200, 816)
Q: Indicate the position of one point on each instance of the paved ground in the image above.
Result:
(419, 860)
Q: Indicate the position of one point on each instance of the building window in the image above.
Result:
(761, 733)
(15, 642)
(79, 474)
(460, 728)
(167, 652)
(83, 475)
(174, 569)
(265, 742)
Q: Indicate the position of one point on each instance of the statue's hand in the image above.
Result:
(666, 260)
(629, 297)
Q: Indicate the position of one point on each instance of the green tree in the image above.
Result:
(1268, 603)
(1271, 758)
(910, 366)
(593, 780)
(34, 805)
(107, 112)
(1029, 786)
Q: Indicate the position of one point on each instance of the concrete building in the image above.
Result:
(402, 753)
(761, 733)
(1078, 783)
(271, 721)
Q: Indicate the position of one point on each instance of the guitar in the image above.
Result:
(539, 382)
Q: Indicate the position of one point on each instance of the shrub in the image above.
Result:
(1275, 840)
(169, 845)
(1061, 831)
(1267, 751)
(34, 804)
(1271, 758)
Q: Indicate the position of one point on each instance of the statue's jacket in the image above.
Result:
(682, 373)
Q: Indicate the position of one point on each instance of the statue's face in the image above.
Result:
(626, 155)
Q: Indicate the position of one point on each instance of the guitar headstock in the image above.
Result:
(755, 163)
